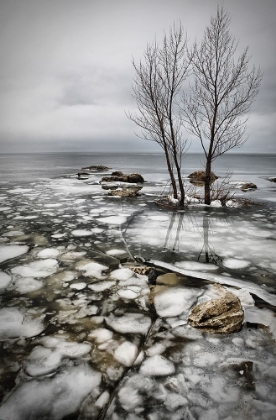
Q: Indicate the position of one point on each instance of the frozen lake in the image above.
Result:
(85, 337)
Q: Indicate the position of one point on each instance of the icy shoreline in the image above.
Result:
(83, 335)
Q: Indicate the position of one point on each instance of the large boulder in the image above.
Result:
(219, 315)
(199, 176)
(118, 176)
(135, 178)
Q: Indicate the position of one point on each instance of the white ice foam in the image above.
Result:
(12, 251)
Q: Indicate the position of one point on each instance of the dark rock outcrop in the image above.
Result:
(272, 179)
(220, 315)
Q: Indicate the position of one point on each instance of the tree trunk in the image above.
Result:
(207, 182)
(180, 182)
(174, 187)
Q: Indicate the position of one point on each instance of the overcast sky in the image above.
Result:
(66, 73)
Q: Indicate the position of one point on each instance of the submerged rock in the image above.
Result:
(169, 279)
(248, 186)
(97, 168)
(220, 315)
(126, 192)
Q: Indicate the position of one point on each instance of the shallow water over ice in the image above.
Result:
(85, 337)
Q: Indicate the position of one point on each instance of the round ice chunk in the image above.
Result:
(40, 268)
(157, 366)
(235, 264)
(12, 251)
(48, 253)
(4, 280)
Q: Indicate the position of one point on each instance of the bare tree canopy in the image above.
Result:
(158, 81)
(222, 93)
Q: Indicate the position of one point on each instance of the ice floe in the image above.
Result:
(113, 220)
(8, 252)
(5, 280)
(92, 269)
(235, 264)
(174, 301)
(15, 323)
(134, 323)
(81, 232)
(126, 353)
(54, 398)
(48, 253)
(28, 284)
(157, 366)
(39, 268)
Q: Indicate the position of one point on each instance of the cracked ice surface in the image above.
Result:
(83, 336)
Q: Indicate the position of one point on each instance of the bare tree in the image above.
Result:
(222, 93)
(158, 81)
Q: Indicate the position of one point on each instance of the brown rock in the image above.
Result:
(118, 176)
(221, 315)
(170, 279)
(199, 176)
(134, 178)
(117, 173)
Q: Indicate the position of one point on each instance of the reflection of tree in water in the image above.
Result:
(179, 222)
(207, 250)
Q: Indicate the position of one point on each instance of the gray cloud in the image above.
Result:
(66, 72)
